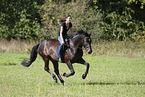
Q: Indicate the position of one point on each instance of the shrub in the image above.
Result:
(83, 17)
(106, 19)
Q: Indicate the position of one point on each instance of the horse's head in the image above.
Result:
(83, 39)
(87, 43)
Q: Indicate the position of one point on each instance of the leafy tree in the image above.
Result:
(17, 17)
(123, 19)
(40, 19)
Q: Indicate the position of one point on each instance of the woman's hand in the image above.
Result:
(62, 42)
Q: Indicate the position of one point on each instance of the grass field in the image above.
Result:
(108, 76)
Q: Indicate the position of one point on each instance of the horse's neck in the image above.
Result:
(75, 46)
(76, 42)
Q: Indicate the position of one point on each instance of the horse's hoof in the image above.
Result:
(64, 84)
(83, 76)
(55, 80)
(63, 74)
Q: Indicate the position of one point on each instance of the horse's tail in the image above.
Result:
(27, 62)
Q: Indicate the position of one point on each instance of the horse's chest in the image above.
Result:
(73, 54)
(79, 53)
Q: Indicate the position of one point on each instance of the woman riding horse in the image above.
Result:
(65, 26)
(48, 52)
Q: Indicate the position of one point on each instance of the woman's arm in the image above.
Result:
(61, 30)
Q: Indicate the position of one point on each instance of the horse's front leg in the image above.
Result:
(82, 61)
(69, 64)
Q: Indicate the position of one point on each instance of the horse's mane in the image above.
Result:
(80, 32)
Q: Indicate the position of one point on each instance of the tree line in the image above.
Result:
(40, 19)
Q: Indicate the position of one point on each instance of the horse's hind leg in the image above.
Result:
(56, 70)
(46, 68)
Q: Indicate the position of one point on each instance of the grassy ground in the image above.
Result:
(117, 69)
(119, 48)
(108, 76)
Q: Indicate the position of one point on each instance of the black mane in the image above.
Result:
(80, 32)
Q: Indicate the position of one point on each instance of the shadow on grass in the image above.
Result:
(8, 63)
(107, 83)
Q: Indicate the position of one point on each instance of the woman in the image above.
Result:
(65, 26)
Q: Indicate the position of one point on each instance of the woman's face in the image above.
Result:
(68, 19)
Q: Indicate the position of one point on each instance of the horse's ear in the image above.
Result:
(90, 34)
(86, 33)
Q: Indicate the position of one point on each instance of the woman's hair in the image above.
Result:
(64, 19)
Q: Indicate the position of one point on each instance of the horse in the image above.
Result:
(47, 50)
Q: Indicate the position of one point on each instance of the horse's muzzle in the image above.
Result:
(89, 51)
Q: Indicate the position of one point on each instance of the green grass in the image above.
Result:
(119, 48)
(108, 76)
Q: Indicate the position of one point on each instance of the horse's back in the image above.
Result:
(49, 47)
(52, 42)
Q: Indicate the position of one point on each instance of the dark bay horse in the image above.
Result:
(48, 52)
